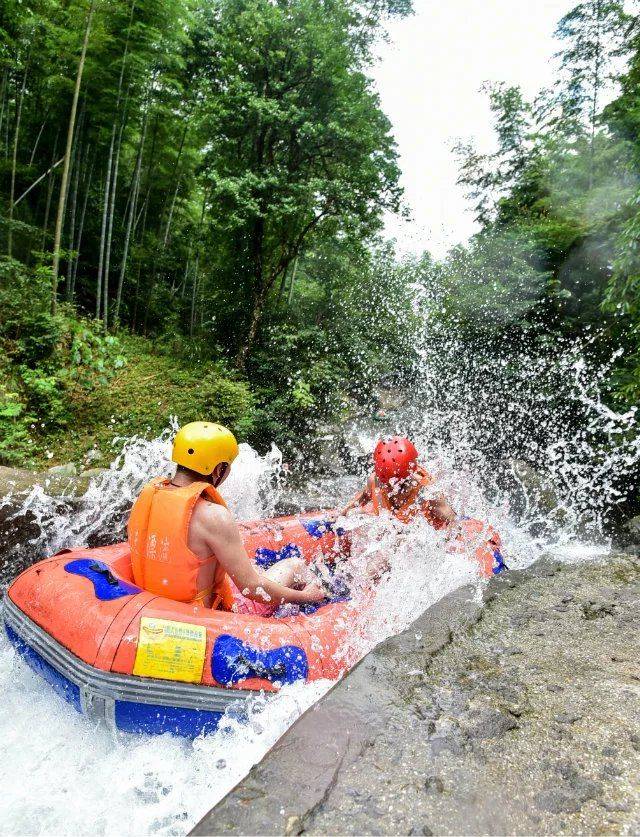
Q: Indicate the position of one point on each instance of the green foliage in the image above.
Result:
(493, 286)
(15, 440)
(558, 204)
(229, 171)
(48, 360)
(146, 393)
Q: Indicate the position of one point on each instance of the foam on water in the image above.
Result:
(62, 775)
(521, 441)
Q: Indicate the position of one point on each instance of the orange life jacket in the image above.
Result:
(161, 560)
(411, 506)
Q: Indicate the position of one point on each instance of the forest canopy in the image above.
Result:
(192, 204)
(211, 176)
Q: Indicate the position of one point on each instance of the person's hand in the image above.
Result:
(312, 592)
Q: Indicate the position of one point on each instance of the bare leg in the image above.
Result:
(292, 572)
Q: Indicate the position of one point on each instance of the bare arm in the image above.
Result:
(359, 500)
(223, 538)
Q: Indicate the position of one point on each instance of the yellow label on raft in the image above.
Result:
(170, 650)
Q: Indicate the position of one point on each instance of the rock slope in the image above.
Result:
(516, 717)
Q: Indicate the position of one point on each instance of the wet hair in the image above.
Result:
(188, 472)
(196, 475)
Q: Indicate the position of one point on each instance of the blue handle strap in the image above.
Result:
(265, 557)
(319, 528)
(106, 585)
(233, 660)
(498, 562)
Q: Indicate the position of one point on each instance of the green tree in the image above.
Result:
(297, 143)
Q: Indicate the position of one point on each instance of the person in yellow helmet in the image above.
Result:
(186, 545)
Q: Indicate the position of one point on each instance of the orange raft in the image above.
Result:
(153, 665)
(149, 664)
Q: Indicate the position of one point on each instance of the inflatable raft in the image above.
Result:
(148, 664)
(152, 665)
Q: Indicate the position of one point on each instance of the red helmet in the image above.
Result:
(396, 457)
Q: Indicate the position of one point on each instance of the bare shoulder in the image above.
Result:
(214, 518)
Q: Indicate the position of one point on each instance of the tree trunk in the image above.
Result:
(49, 192)
(103, 280)
(38, 180)
(194, 291)
(257, 311)
(72, 220)
(3, 96)
(293, 281)
(36, 143)
(596, 89)
(78, 242)
(183, 286)
(67, 160)
(103, 224)
(111, 213)
(283, 282)
(131, 216)
(14, 161)
(260, 291)
(175, 191)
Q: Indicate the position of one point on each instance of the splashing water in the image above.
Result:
(520, 440)
(62, 775)
(99, 516)
(519, 428)
(59, 772)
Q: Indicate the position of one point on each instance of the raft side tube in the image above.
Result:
(132, 704)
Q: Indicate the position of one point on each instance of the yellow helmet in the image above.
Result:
(202, 445)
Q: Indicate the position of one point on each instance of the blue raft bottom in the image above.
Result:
(129, 716)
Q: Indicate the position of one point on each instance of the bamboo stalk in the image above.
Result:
(14, 161)
(65, 170)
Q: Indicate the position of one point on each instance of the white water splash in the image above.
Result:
(61, 774)
(251, 491)
(535, 457)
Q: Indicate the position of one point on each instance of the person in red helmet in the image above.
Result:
(397, 484)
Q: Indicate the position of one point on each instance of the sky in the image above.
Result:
(429, 77)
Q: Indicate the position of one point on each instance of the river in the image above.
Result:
(60, 774)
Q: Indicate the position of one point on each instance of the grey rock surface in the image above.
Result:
(18, 526)
(519, 717)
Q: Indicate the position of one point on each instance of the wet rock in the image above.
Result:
(615, 806)
(434, 784)
(83, 480)
(503, 776)
(568, 796)
(60, 479)
(597, 609)
(447, 738)
(632, 526)
(294, 825)
(15, 480)
(536, 485)
(62, 471)
(545, 568)
(491, 723)
(567, 717)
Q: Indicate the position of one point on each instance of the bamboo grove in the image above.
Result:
(169, 161)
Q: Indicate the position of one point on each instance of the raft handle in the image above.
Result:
(106, 572)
